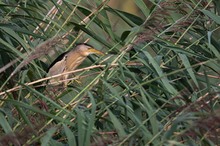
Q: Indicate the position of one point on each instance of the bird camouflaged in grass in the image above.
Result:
(69, 61)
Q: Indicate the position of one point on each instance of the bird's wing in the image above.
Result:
(58, 66)
(59, 58)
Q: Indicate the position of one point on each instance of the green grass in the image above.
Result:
(158, 83)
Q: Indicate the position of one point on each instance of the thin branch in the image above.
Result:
(65, 73)
(4, 68)
(210, 76)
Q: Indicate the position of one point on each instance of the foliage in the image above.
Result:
(158, 83)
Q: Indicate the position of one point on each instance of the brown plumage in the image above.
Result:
(69, 61)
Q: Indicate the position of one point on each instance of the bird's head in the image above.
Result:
(85, 50)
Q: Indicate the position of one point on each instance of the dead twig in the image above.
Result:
(65, 73)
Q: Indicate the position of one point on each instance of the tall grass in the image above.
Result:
(158, 83)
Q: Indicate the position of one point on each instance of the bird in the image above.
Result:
(69, 61)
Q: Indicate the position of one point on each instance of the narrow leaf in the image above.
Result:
(70, 135)
(215, 51)
(189, 68)
(4, 123)
(118, 126)
(45, 140)
(159, 71)
(143, 7)
(213, 16)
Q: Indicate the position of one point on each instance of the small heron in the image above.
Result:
(69, 61)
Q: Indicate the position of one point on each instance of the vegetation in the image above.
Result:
(158, 83)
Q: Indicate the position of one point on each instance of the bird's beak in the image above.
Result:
(94, 51)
